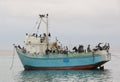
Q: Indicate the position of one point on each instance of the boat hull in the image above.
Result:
(86, 67)
(63, 63)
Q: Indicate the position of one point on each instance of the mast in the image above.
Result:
(46, 22)
(47, 30)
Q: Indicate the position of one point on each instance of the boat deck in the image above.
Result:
(55, 55)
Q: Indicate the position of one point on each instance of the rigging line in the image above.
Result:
(35, 26)
(12, 57)
(39, 24)
(36, 23)
(44, 21)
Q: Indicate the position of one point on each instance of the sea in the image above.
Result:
(11, 70)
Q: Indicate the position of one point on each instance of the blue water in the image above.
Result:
(17, 73)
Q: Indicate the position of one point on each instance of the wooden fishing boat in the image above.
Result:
(40, 54)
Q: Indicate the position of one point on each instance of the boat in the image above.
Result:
(38, 53)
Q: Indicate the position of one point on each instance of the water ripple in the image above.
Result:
(64, 76)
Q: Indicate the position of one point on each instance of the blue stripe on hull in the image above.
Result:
(59, 62)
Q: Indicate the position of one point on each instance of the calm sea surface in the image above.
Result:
(17, 73)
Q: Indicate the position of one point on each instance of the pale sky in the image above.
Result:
(72, 21)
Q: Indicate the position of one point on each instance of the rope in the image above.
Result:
(44, 21)
(39, 24)
(12, 59)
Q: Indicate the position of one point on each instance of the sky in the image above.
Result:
(71, 21)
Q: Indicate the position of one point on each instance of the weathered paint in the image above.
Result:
(75, 63)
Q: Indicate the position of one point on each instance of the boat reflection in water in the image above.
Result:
(64, 76)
